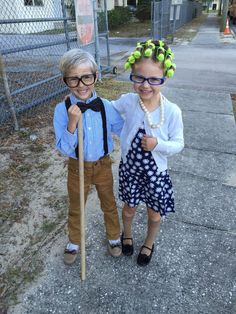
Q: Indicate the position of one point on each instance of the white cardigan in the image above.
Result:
(169, 135)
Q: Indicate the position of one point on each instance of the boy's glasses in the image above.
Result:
(151, 80)
(73, 81)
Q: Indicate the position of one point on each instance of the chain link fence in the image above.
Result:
(33, 36)
(169, 15)
(35, 33)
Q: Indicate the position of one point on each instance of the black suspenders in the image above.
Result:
(104, 124)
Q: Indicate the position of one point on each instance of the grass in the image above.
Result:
(132, 29)
(188, 31)
(143, 29)
(43, 166)
(71, 28)
(15, 276)
(111, 89)
(37, 148)
(13, 208)
(48, 226)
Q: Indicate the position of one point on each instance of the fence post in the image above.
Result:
(174, 22)
(154, 20)
(107, 34)
(220, 8)
(224, 15)
(7, 92)
(65, 23)
(97, 54)
(162, 19)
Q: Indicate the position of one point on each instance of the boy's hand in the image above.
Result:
(148, 142)
(74, 115)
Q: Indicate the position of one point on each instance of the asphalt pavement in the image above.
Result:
(193, 269)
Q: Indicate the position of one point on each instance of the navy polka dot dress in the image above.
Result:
(139, 181)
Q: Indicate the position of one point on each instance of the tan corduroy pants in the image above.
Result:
(98, 173)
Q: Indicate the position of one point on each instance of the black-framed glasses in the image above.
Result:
(139, 79)
(73, 81)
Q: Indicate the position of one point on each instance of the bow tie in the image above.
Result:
(94, 105)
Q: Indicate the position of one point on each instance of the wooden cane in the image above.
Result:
(82, 213)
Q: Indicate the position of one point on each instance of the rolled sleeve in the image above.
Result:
(115, 118)
(66, 142)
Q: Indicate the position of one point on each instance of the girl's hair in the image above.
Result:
(75, 57)
(158, 51)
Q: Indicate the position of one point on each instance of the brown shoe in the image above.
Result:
(114, 249)
(70, 256)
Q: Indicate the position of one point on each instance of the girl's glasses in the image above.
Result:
(73, 81)
(151, 80)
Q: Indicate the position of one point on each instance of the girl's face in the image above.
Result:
(149, 69)
(81, 80)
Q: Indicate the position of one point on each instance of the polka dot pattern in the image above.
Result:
(139, 180)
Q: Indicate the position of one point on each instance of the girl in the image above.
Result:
(153, 130)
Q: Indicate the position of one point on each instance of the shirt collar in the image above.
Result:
(75, 100)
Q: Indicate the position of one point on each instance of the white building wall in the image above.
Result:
(110, 4)
(121, 3)
(217, 2)
(15, 9)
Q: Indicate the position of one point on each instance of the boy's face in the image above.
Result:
(147, 68)
(84, 90)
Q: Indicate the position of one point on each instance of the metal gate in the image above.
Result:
(169, 15)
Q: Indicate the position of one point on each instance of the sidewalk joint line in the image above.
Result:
(211, 112)
(202, 177)
(210, 150)
(204, 226)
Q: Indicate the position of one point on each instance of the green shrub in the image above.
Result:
(118, 16)
(101, 18)
(143, 12)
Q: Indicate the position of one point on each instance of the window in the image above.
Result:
(35, 3)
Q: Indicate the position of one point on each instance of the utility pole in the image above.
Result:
(208, 6)
(220, 8)
(224, 15)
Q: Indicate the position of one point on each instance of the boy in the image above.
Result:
(80, 73)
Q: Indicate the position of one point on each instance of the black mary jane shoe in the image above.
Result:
(127, 249)
(144, 259)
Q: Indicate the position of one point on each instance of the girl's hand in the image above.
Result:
(74, 115)
(148, 142)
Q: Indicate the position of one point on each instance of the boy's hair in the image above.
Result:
(76, 57)
(158, 51)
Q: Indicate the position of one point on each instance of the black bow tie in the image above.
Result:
(95, 105)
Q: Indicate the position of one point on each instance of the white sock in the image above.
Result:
(114, 242)
(72, 247)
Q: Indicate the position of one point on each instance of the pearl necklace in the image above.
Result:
(148, 115)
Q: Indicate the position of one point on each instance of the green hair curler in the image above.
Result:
(157, 50)
(170, 73)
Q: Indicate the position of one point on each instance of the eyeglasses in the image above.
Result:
(151, 80)
(73, 81)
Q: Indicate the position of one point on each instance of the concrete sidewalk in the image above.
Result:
(193, 269)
